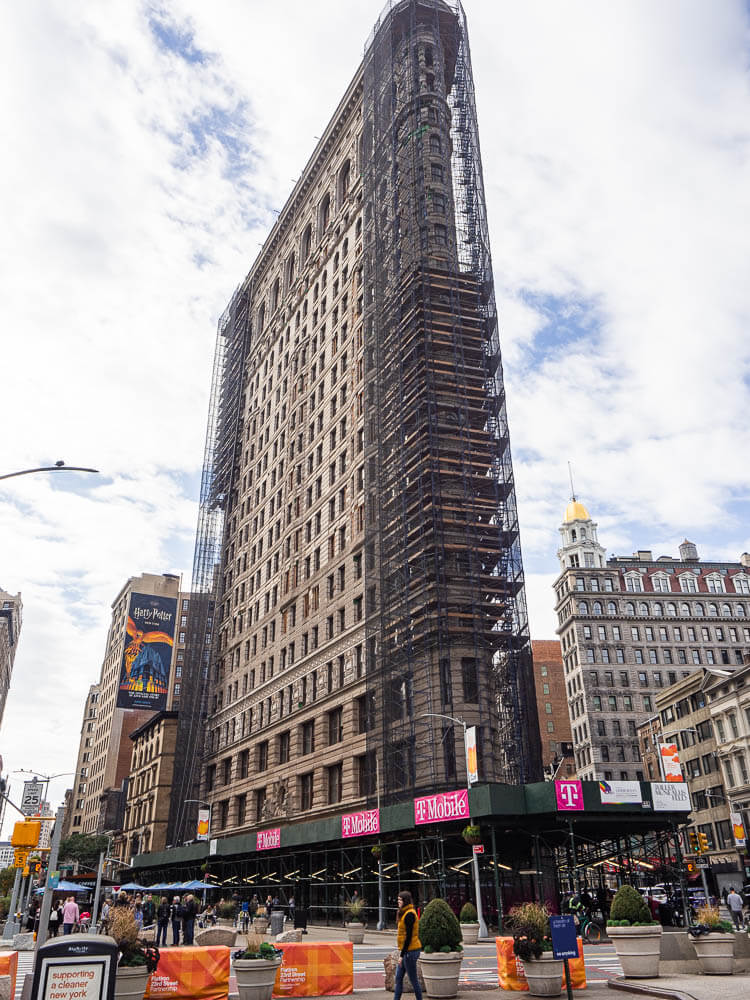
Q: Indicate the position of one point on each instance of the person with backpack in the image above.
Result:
(189, 913)
(54, 921)
(175, 914)
(162, 921)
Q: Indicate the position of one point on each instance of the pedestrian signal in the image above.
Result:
(26, 833)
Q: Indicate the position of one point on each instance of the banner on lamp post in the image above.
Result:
(204, 822)
(472, 768)
(738, 829)
(670, 762)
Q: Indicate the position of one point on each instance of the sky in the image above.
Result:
(148, 148)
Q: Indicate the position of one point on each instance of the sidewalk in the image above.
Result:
(686, 987)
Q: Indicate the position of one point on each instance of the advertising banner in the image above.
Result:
(442, 807)
(670, 762)
(471, 755)
(738, 829)
(670, 797)
(267, 839)
(569, 795)
(360, 823)
(144, 673)
(186, 973)
(315, 970)
(616, 793)
(510, 968)
(203, 831)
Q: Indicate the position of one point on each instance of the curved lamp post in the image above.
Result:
(59, 466)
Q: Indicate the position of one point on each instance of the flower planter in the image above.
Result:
(260, 926)
(255, 977)
(356, 932)
(470, 933)
(441, 971)
(715, 953)
(131, 982)
(224, 922)
(638, 950)
(544, 975)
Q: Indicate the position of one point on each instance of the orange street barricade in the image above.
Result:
(315, 970)
(191, 973)
(510, 968)
(9, 967)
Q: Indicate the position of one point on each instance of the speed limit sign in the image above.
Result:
(31, 801)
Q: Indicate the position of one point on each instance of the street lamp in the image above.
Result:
(477, 890)
(59, 466)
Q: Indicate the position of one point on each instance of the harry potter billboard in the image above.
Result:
(144, 673)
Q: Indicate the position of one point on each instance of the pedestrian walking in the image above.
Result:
(245, 916)
(104, 920)
(71, 915)
(189, 913)
(162, 921)
(175, 914)
(291, 909)
(138, 912)
(409, 946)
(734, 902)
(54, 922)
(149, 911)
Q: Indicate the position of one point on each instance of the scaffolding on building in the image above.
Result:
(447, 630)
(218, 498)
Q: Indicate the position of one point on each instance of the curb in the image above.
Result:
(628, 986)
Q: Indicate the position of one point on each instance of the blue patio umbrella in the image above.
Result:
(197, 884)
(132, 887)
(68, 887)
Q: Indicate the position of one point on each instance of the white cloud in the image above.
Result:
(137, 185)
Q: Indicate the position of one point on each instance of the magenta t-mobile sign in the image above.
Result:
(442, 807)
(569, 795)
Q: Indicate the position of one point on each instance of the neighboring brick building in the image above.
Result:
(149, 785)
(11, 618)
(73, 822)
(630, 627)
(552, 708)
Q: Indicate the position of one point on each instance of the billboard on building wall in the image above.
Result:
(670, 762)
(738, 829)
(144, 672)
(472, 768)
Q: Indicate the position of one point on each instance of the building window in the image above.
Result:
(335, 726)
(284, 747)
(306, 791)
(241, 809)
(334, 783)
(308, 737)
(470, 678)
(260, 804)
(688, 584)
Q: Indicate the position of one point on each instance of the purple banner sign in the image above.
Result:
(360, 823)
(266, 839)
(442, 807)
(569, 795)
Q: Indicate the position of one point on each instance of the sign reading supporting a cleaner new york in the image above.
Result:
(78, 967)
(146, 661)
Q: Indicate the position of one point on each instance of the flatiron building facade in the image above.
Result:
(358, 543)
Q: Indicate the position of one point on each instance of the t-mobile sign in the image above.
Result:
(442, 807)
(569, 795)
(266, 839)
(360, 823)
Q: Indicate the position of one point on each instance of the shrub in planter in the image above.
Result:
(532, 943)
(468, 914)
(713, 940)
(226, 910)
(355, 911)
(629, 909)
(439, 929)
(710, 922)
(472, 834)
(255, 967)
(138, 958)
(636, 937)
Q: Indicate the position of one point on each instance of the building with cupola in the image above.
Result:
(630, 626)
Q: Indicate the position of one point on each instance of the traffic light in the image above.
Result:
(693, 841)
(703, 843)
(26, 833)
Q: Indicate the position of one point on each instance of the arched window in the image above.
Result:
(643, 608)
(657, 609)
(324, 214)
(726, 611)
(611, 608)
(290, 268)
(306, 244)
(597, 608)
(583, 608)
(275, 295)
(685, 610)
(573, 535)
(630, 608)
(671, 609)
(261, 317)
(343, 183)
(739, 610)
(713, 610)
(699, 610)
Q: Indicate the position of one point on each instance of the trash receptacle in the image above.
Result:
(277, 922)
(300, 919)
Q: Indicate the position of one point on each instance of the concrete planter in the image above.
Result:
(441, 971)
(260, 925)
(356, 932)
(715, 953)
(470, 933)
(255, 977)
(224, 922)
(544, 975)
(638, 949)
(131, 982)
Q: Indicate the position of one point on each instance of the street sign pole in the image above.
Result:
(11, 924)
(564, 943)
(48, 890)
(100, 866)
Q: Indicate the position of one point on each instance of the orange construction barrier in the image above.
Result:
(9, 967)
(318, 969)
(510, 972)
(191, 973)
